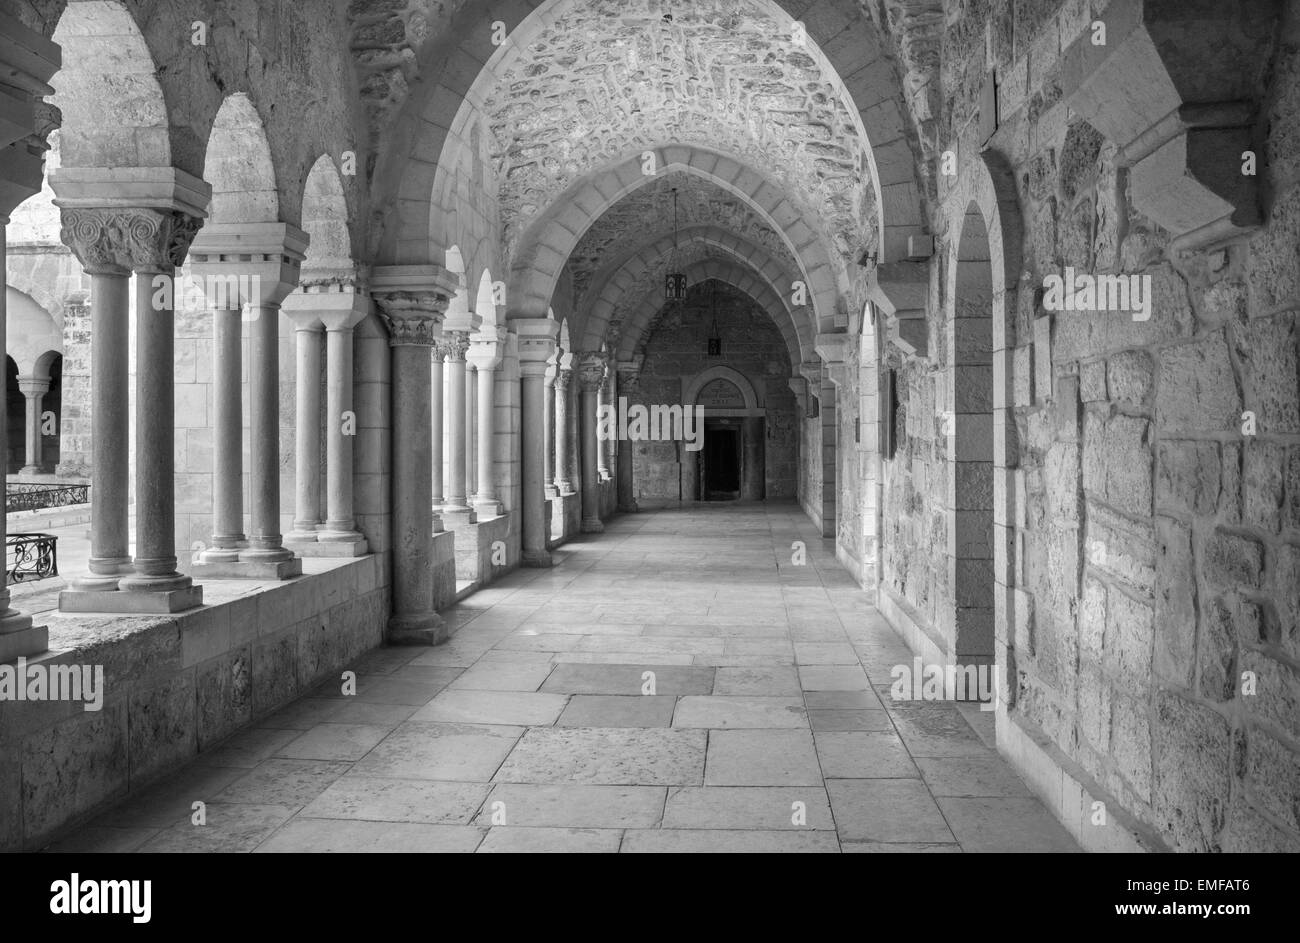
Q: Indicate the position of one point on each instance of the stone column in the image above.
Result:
(629, 376)
(591, 375)
(573, 434)
(227, 442)
(536, 344)
(150, 239)
(412, 301)
(339, 535)
(548, 419)
(307, 334)
(485, 353)
(254, 266)
(156, 582)
(34, 390)
(471, 429)
(437, 389)
(603, 396)
(559, 448)
(456, 510)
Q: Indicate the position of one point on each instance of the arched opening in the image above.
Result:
(968, 425)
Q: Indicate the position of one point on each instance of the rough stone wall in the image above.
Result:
(678, 348)
(1155, 548)
(810, 464)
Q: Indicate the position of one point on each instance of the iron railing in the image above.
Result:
(33, 497)
(31, 557)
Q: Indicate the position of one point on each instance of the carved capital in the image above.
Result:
(411, 331)
(562, 378)
(413, 300)
(591, 372)
(109, 241)
(453, 345)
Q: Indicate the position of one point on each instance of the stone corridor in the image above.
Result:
(771, 691)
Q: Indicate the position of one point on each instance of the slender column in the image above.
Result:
(34, 391)
(485, 353)
(536, 344)
(548, 423)
(110, 420)
(227, 438)
(591, 374)
(307, 521)
(438, 354)
(340, 430)
(559, 448)
(413, 300)
(573, 435)
(155, 452)
(602, 445)
(471, 430)
(611, 444)
(628, 380)
(260, 263)
(457, 499)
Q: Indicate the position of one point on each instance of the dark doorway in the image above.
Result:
(721, 470)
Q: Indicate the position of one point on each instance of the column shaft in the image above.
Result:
(436, 387)
(307, 505)
(155, 481)
(110, 423)
(471, 430)
(548, 436)
(537, 528)
(414, 618)
(227, 438)
(486, 435)
(264, 541)
(590, 465)
(340, 523)
(559, 447)
(456, 492)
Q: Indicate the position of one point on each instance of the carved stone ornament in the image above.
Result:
(120, 241)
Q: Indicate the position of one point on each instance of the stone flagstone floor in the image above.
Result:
(529, 730)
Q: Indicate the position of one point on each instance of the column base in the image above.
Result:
(454, 517)
(19, 638)
(537, 559)
(417, 628)
(328, 548)
(487, 509)
(32, 470)
(247, 569)
(144, 602)
(103, 582)
(592, 525)
(551, 491)
(33, 640)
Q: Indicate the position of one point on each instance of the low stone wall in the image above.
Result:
(173, 686)
(475, 551)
